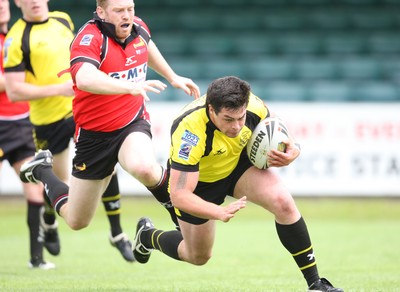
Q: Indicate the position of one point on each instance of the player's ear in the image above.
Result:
(211, 109)
(100, 12)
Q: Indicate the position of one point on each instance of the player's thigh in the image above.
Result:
(262, 187)
(137, 157)
(83, 199)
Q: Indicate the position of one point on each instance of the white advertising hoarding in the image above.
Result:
(347, 149)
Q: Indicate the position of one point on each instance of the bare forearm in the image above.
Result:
(25, 91)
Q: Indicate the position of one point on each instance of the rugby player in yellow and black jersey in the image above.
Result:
(37, 48)
(208, 161)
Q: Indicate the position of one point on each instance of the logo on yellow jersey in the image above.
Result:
(80, 167)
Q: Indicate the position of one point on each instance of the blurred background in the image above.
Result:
(329, 68)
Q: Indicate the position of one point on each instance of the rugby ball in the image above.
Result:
(269, 134)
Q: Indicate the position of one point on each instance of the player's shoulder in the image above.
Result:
(138, 20)
(139, 23)
(256, 111)
(88, 34)
(16, 29)
(63, 18)
(257, 106)
(60, 14)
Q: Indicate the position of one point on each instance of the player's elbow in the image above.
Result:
(83, 83)
(12, 94)
(176, 199)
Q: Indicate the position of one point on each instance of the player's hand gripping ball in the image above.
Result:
(269, 134)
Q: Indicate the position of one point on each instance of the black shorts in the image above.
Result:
(55, 136)
(97, 152)
(216, 192)
(16, 140)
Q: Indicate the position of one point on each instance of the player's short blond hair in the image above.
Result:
(102, 3)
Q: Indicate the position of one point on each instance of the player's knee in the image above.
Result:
(77, 225)
(200, 260)
(285, 206)
(146, 174)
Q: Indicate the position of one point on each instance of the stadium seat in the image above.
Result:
(174, 3)
(316, 68)
(285, 91)
(253, 45)
(359, 68)
(376, 91)
(189, 67)
(384, 43)
(227, 4)
(329, 19)
(374, 19)
(391, 69)
(344, 43)
(210, 45)
(269, 68)
(269, 3)
(282, 19)
(239, 20)
(194, 20)
(329, 91)
(216, 68)
(172, 44)
(298, 44)
(160, 21)
(357, 2)
(310, 2)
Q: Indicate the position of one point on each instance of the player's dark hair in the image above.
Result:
(228, 92)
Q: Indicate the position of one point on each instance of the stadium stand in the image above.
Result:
(289, 50)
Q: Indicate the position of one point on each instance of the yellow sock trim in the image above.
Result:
(308, 266)
(113, 198)
(115, 212)
(303, 251)
(157, 240)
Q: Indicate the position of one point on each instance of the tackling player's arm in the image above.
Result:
(2, 82)
(182, 185)
(19, 90)
(88, 78)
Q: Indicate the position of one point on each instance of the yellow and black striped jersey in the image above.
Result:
(197, 145)
(41, 49)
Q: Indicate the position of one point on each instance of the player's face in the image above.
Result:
(4, 11)
(121, 14)
(33, 10)
(228, 121)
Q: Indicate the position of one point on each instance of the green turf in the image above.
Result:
(356, 242)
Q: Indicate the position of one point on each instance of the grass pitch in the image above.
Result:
(356, 242)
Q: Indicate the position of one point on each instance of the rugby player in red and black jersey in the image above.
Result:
(110, 57)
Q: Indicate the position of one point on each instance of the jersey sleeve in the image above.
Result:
(86, 47)
(140, 22)
(187, 147)
(12, 51)
(258, 107)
